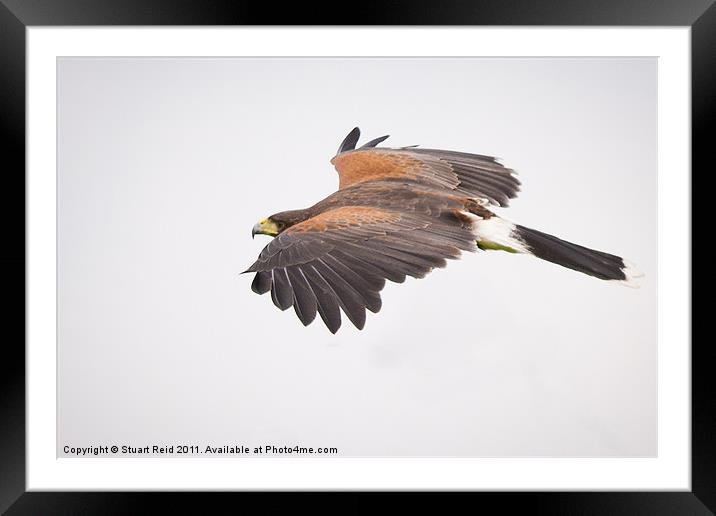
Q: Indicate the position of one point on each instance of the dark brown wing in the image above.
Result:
(340, 259)
(472, 175)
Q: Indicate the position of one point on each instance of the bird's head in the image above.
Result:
(278, 222)
(267, 226)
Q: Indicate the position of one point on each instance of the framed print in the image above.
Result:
(148, 153)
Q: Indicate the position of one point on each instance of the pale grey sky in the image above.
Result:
(166, 164)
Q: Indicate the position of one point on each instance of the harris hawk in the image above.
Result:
(399, 212)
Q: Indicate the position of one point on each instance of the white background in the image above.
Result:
(164, 165)
(669, 469)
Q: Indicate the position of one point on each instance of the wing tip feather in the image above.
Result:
(350, 141)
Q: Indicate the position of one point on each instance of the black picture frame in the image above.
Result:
(16, 15)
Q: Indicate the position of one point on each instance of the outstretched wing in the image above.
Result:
(340, 259)
(473, 175)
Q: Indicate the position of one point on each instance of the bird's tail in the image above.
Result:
(495, 233)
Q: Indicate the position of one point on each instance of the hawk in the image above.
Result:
(399, 212)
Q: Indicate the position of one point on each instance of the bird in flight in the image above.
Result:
(399, 212)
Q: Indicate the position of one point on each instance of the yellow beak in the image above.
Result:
(264, 227)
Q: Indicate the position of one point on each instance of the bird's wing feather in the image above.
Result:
(349, 142)
(472, 175)
(342, 257)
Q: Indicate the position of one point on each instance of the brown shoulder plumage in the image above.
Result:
(345, 217)
(471, 175)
